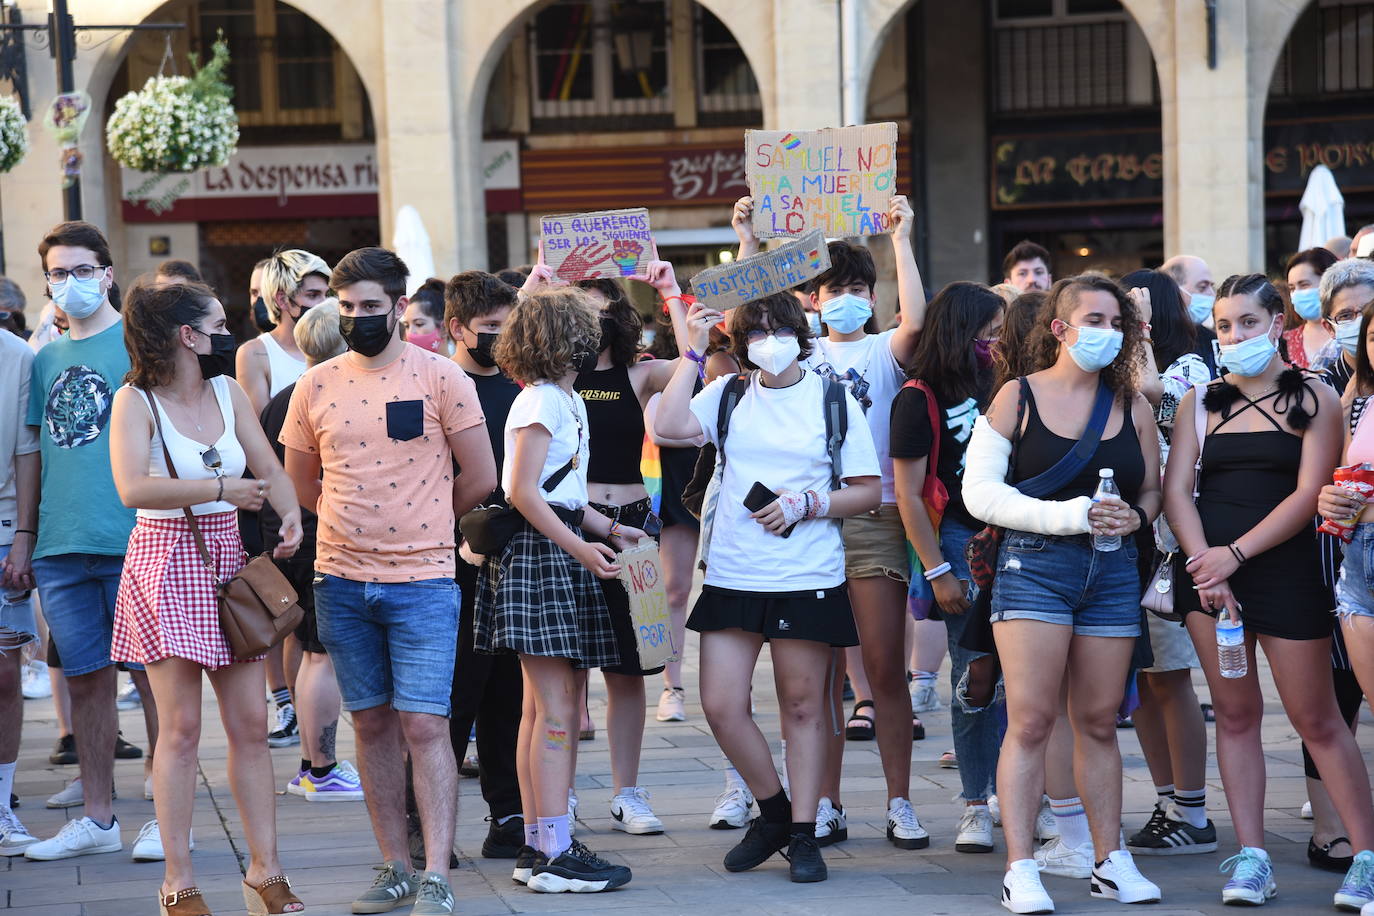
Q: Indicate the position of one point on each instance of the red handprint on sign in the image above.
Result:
(582, 261)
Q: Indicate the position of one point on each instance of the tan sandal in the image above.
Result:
(271, 897)
(185, 902)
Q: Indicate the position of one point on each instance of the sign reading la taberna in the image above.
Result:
(290, 182)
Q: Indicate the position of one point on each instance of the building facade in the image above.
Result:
(1115, 132)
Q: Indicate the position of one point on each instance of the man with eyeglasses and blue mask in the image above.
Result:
(1194, 279)
(83, 527)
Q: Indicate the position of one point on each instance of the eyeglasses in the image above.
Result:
(84, 272)
(210, 458)
(758, 335)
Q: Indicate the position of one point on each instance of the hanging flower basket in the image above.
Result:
(177, 123)
(14, 134)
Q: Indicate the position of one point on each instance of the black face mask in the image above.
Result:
(481, 353)
(261, 318)
(585, 361)
(220, 359)
(366, 335)
(608, 333)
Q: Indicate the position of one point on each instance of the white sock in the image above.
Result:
(1191, 806)
(7, 782)
(1072, 822)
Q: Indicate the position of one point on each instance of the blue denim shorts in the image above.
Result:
(78, 592)
(391, 642)
(1355, 587)
(1063, 580)
(18, 627)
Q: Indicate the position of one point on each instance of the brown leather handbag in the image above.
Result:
(257, 606)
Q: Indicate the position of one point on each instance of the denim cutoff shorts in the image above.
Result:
(1062, 580)
(1355, 587)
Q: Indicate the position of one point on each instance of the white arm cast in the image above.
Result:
(989, 497)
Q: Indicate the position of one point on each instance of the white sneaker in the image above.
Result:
(732, 808)
(128, 696)
(631, 813)
(72, 796)
(904, 829)
(1306, 812)
(1054, 858)
(14, 839)
(148, 846)
(36, 685)
(672, 705)
(1118, 879)
(1022, 891)
(1046, 824)
(924, 697)
(975, 830)
(81, 837)
(1367, 909)
(572, 812)
(995, 809)
(831, 824)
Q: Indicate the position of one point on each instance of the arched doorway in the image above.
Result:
(306, 174)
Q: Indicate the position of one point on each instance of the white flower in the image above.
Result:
(14, 135)
(173, 124)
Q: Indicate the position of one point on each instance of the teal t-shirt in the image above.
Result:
(71, 394)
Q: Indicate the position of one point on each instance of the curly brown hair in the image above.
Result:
(546, 333)
(1120, 376)
(153, 316)
(781, 310)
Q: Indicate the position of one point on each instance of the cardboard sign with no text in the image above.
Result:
(586, 246)
(767, 272)
(641, 572)
(837, 179)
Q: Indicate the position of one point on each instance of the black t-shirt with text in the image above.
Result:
(911, 437)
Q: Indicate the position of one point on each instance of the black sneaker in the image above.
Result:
(805, 864)
(126, 751)
(525, 862)
(504, 841)
(578, 870)
(1152, 827)
(64, 751)
(286, 733)
(1165, 836)
(758, 845)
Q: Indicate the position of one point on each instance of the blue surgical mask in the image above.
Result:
(1250, 357)
(1095, 348)
(1348, 336)
(813, 320)
(846, 313)
(1200, 307)
(78, 298)
(1307, 303)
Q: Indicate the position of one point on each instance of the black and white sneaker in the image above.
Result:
(525, 862)
(758, 846)
(1162, 835)
(1118, 879)
(286, 732)
(805, 864)
(578, 870)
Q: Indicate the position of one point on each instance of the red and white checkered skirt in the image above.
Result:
(167, 603)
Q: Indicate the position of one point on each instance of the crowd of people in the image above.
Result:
(1078, 490)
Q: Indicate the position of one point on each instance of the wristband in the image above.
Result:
(1236, 552)
(932, 574)
(821, 504)
(667, 299)
(220, 497)
(614, 530)
(700, 360)
(26, 531)
(1144, 519)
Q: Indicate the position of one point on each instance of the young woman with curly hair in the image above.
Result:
(1066, 615)
(179, 404)
(539, 596)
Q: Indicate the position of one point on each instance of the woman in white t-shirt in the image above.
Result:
(775, 573)
(538, 597)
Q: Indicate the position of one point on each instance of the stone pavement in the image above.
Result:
(327, 848)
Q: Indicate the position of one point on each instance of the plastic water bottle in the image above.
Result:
(1231, 647)
(1106, 486)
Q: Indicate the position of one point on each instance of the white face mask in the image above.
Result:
(773, 355)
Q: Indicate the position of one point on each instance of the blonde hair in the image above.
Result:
(317, 332)
(1007, 291)
(546, 332)
(283, 273)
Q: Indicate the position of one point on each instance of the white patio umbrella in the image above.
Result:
(411, 244)
(1323, 210)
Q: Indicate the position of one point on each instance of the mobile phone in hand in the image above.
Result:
(760, 497)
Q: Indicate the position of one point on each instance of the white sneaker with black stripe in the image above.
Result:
(630, 813)
(286, 733)
(831, 824)
(904, 829)
(1118, 879)
(1022, 891)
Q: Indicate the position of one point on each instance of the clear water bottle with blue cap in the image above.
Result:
(1106, 486)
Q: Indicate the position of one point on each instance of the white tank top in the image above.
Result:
(187, 453)
(282, 368)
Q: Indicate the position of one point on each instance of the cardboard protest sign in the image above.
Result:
(767, 272)
(641, 572)
(587, 246)
(838, 179)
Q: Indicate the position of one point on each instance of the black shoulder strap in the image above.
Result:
(557, 476)
(729, 400)
(836, 427)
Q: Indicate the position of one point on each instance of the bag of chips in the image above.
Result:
(1358, 481)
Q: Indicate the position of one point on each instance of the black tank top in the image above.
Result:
(615, 425)
(1039, 450)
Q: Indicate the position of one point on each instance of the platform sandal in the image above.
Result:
(271, 897)
(185, 902)
(860, 726)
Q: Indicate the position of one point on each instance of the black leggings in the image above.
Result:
(1348, 698)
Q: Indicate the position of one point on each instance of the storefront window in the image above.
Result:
(600, 57)
(305, 61)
